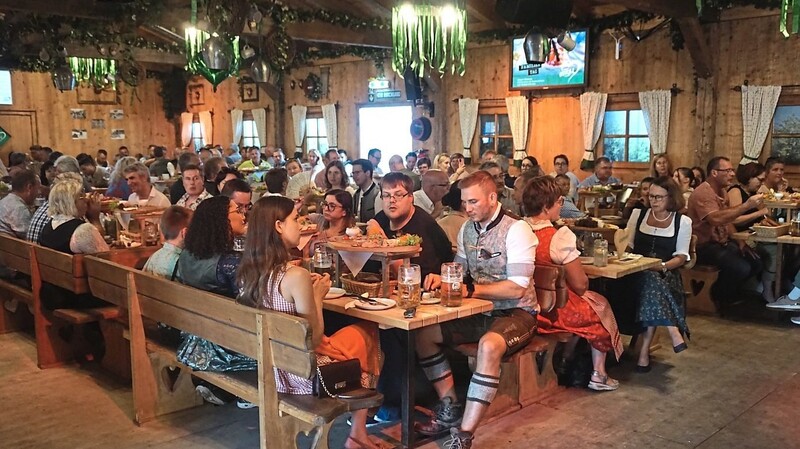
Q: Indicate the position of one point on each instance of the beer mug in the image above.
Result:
(452, 277)
(409, 278)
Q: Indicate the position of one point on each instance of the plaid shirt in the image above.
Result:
(38, 221)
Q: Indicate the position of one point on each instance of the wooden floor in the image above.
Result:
(736, 387)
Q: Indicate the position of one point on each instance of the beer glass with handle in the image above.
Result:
(409, 278)
(452, 277)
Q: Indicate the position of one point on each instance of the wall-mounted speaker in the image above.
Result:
(413, 84)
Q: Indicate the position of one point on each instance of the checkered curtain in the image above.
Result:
(758, 107)
(656, 106)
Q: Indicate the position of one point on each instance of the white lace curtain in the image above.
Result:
(206, 127)
(237, 125)
(593, 108)
(260, 119)
(758, 107)
(518, 115)
(655, 107)
(186, 128)
(331, 125)
(468, 119)
(299, 120)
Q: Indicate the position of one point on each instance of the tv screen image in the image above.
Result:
(562, 69)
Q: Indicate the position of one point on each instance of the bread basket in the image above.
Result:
(771, 231)
(369, 283)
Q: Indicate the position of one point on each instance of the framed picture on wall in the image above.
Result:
(197, 95)
(91, 95)
(248, 91)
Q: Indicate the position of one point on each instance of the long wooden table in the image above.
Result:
(426, 315)
(616, 270)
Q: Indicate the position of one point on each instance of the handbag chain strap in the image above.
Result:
(322, 382)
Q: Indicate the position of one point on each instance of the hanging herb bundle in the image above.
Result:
(99, 73)
(426, 40)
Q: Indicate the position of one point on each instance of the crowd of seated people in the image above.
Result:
(516, 221)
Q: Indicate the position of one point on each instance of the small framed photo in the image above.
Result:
(117, 114)
(197, 95)
(78, 114)
(248, 91)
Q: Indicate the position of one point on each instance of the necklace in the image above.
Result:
(660, 220)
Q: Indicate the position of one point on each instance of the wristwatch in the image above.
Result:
(663, 268)
(470, 289)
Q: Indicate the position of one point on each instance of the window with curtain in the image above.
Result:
(197, 133)
(316, 135)
(249, 132)
(495, 130)
(786, 133)
(624, 136)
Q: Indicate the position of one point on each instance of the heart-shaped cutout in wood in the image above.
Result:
(169, 376)
(697, 286)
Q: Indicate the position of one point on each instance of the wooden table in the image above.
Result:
(616, 270)
(595, 196)
(393, 318)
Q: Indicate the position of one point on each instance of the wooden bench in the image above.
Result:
(697, 282)
(15, 255)
(68, 272)
(162, 385)
(528, 375)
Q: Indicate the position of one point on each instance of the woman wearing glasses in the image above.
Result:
(662, 232)
(336, 217)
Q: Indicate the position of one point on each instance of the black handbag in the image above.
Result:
(335, 379)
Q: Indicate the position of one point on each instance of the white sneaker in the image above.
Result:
(785, 303)
(796, 320)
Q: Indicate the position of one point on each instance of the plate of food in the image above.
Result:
(587, 260)
(429, 298)
(404, 243)
(626, 258)
(335, 292)
(375, 303)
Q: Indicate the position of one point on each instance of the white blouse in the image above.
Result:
(563, 245)
(684, 233)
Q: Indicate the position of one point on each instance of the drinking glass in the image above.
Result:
(409, 278)
(323, 261)
(452, 277)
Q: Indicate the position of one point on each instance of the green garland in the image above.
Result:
(313, 87)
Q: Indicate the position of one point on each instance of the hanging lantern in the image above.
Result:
(536, 47)
(63, 78)
(217, 53)
(261, 70)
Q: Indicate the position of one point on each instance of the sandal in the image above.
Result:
(604, 384)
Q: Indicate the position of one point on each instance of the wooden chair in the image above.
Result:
(15, 255)
(274, 339)
(697, 282)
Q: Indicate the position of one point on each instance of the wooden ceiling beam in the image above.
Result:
(666, 8)
(68, 8)
(143, 55)
(484, 11)
(317, 31)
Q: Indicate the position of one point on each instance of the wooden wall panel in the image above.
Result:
(144, 121)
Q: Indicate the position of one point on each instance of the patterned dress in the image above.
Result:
(293, 384)
(661, 298)
(588, 316)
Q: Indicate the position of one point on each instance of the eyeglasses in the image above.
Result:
(396, 197)
(330, 206)
(244, 208)
(656, 197)
(558, 163)
(726, 170)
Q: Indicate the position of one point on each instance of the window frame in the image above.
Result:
(307, 138)
(247, 116)
(496, 111)
(623, 102)
(789, 97)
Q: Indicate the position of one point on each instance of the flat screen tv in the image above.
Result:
(562, 69)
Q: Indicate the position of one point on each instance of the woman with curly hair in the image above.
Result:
(270, 281)
(118, 185)
(587, 314)
(208, 261)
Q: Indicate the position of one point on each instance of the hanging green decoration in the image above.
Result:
(429, 33)
(215, 77)
(195, 64)
(100, 73)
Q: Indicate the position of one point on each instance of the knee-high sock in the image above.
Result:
(436, 367)
(482, 388)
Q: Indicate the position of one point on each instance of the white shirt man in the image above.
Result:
(144, 194)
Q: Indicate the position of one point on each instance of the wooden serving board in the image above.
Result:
(345, 246)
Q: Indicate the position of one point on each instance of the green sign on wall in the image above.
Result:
(4, 136)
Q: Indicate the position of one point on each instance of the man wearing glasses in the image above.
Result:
(498, 254)
(561, 167)
(399, 216)
(434, 187)
(712, 223)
